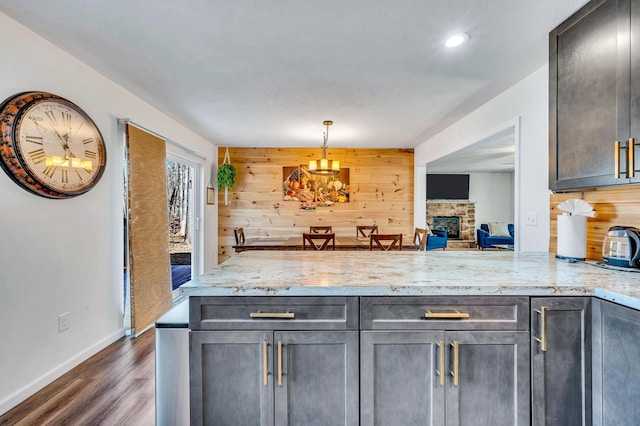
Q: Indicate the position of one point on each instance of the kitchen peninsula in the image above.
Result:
(429, 338)
(365, 273)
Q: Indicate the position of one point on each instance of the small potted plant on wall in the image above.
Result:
(226, 176)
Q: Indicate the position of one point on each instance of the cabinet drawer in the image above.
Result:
(444, 313)
(274, 313)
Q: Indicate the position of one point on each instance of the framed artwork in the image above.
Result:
(300, 185)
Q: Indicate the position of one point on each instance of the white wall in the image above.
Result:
(493, 195)
(62, 256)
(524, 107)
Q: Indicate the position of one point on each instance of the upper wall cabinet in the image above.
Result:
(633, 142)
(594, 96)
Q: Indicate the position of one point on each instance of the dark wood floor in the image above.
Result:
(114, 387)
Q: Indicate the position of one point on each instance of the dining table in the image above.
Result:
(294, 242)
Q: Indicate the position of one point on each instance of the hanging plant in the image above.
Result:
(226, 176)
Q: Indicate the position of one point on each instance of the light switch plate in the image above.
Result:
(532, 219)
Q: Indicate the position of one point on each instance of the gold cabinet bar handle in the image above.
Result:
(265, 371)
(543, 328)
(446, 315)
(616, 156)
(285, 315)
(441, 362)
(456, 363)
(279, 363)
(631, 164)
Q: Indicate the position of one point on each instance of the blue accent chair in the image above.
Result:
(437, 240)
(485, 240)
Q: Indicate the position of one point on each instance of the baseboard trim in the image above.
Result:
(22, 394)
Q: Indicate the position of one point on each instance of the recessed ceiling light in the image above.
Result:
(457, 39)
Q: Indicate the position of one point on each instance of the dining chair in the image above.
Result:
(321, 229)
(420, 238)
(318, 241)
(386, 242)
(366, 230)
(239, 234)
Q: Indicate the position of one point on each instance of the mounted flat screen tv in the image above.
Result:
(447, 187)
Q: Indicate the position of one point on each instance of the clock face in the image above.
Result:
(49, 145)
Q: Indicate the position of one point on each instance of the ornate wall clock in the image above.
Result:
(49, 146)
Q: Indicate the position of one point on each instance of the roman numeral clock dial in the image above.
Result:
(50, 146)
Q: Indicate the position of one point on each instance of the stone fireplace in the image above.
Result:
(454, 216)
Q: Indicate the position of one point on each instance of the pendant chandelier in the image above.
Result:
(323, 166)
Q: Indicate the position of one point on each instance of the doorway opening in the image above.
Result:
(150, 217)
(182, 179)
(492, 164)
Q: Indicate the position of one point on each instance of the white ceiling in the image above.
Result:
(495, 154)
(267, 73)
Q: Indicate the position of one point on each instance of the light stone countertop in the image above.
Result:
(434, 273)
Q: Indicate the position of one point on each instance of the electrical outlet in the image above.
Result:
(64, 322)
(532, 219)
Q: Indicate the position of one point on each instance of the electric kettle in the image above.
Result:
(621, 247)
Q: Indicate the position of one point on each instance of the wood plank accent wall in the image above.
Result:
(619, 205)
(381, 182)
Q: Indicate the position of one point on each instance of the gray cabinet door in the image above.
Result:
(616, 365)
(561, 373)
(400, 378)
(229, 383)
(316, 377)
(489, 382)
(588, 95)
